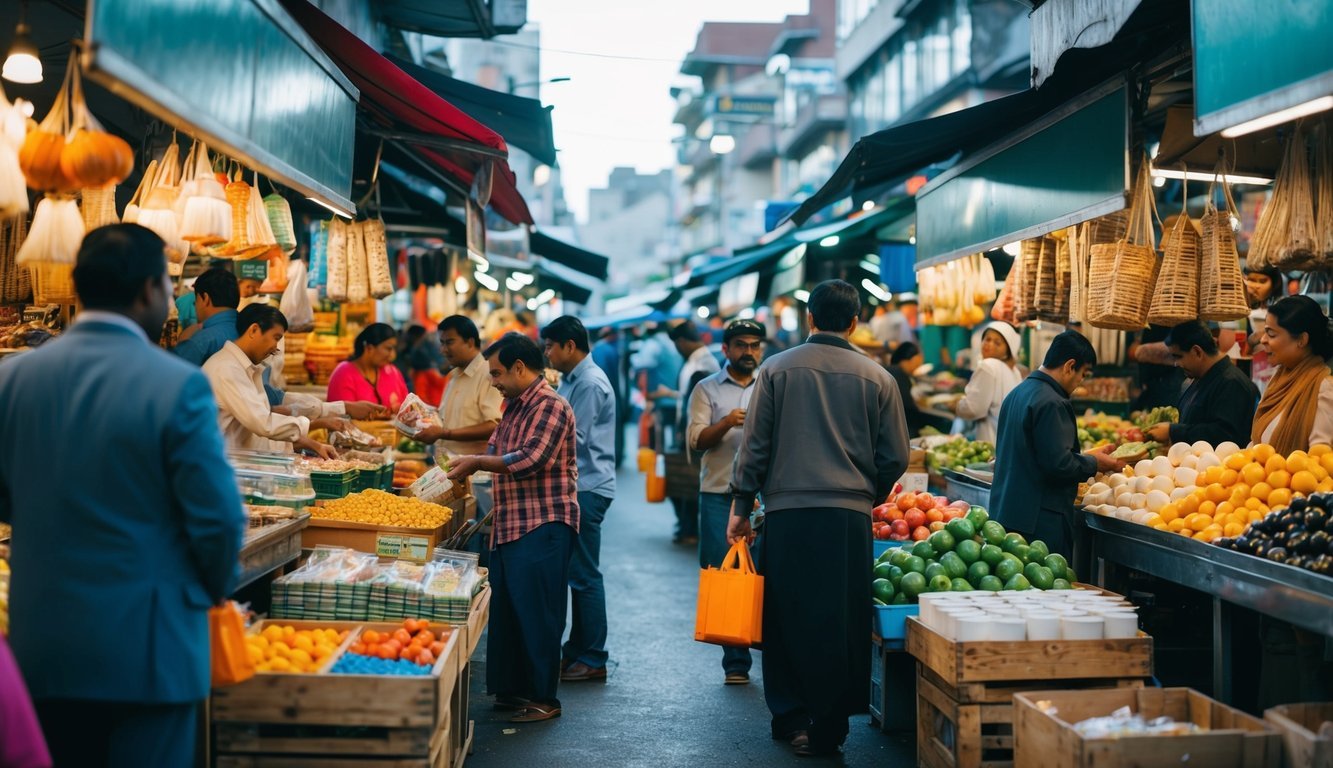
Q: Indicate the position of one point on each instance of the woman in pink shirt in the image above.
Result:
(370, 375)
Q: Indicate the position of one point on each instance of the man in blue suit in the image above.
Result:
(127, 520)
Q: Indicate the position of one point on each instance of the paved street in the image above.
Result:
(664, 704)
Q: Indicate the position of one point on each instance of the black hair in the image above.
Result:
(1301, 314)
(220, 286)
(834, 304)
(266, 316)
(113, 264)
(686, 331)
(414, 332)
(463, 326)
(372, 336)
(905, 351)
(1274, 276)
(1070, 345)
(513, 347)
(1191, 334)
(565, 329)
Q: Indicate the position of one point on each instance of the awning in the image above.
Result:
(860, 224)
(415, 115)
(409, 209)
(1059, 25)
(743, 261)
(693, 297)
(523, 122)
(575, 286)
(1253, 59)
(587, 262)
(454, 18)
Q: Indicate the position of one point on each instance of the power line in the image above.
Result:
(583, 53)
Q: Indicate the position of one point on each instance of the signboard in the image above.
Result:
(758, 106)
(253, 269)
(476, 230)
(414, 548)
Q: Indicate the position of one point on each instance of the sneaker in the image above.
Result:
(737, 678)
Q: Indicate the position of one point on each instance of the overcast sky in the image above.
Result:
(617, 111)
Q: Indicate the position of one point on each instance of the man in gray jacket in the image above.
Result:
(825, 440)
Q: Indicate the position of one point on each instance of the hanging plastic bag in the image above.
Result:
(358, 271)
(131, 214)
(731, 601)
(226, 633)
(336, 258)
(205, 214)
(13, 189)
(280, 222)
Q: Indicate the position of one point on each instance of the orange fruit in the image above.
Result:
(1252, 503)
(1261, 491)
(1162, 527)
(1326, 461)
(1224, 509)
(1254, 516)
(1320, 450)
(1297, 461)
(1169, 512)
(1253, 473)
(1217, 492)
(1240, 493)
(1229, 477)
(1204, 536)
(1304, 482)
(371, 637)
(1281, 497)
(1153, 521)
(1207, 509)
(1325, 485)
(1189, 505)
(1262, 452)
(1176, 526)
(1236, 461)
(1280, 479)
(1275, 463)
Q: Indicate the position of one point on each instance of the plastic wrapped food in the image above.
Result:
(414, 416)
(358, 272)
(335, 254)
(377, 258)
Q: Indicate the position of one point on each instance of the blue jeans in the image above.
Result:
(587, 631)
(714, 513)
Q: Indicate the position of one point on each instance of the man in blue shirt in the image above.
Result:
(590, 395)
(216, 297)
(606, 353)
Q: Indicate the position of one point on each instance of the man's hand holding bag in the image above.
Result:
(731, 601)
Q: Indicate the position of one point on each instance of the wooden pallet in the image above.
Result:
(249, 745)
(972, 725)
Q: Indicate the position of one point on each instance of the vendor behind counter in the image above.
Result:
(1218, 406)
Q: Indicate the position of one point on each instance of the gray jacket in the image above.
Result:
(825, 428)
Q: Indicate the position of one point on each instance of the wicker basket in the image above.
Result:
(15, 281)
(1324, 195)
(1121, 274)
(52, 283)
(1175, 298)
(1044, 297)
(1025, 293)
(1221, 285)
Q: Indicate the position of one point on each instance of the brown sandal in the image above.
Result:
(536, 713)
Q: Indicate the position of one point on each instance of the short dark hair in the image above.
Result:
(1070, 345)
(266, 316)
(463, 326)
(415, 332)
(565, 329)
(834, 304)
(372, 336)
(905, 351)
(513, 347)
(220, 286)
(113, 264)
(1191, 334)
(686, 331)
(1302, 314)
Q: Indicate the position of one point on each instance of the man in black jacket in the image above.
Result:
(1219, 406)
(1038, 465)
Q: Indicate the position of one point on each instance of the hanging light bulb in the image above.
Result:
(23, 65)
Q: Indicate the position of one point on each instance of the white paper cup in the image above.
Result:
(1120, 625)
(973, 628)
(1009, 628)
(1043, 625)
(1081, 627)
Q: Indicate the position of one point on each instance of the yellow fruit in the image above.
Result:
(1217, 492)
(1169, 512)
(1190, 504)
(281, 650)
(1280, 478)
(301, 658)
(272, 632)
(1236, 461)
(1240, 493)
(280, 664)
(303, 642)
(1207, 509)
(1224, 509)
(1233, 529)
(289, 631)
(1253, 473)
(1317, 470)
(1205, 536)
(1261, 491)
(1325, 485)
(1262, 452)
(1281, 497)
(254, 653)
(1176, 526)
(1304, 482)
(1254, 516)
(1229, 477)
(1297, 461)
(1211, 475)
(1153, 521)
(1320, 451)
(1162, 527)
(1275, 463)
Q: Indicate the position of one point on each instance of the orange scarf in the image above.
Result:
(1292, 394)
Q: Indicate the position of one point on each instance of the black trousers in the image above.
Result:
(529, 583)
(88, 734)
(816, 620)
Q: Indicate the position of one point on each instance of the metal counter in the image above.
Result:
(965, 488)
(270, 547)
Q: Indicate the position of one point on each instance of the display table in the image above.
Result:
(1279, 591)
(268, 548)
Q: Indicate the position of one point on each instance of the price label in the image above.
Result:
(413, 548)
(254, 269)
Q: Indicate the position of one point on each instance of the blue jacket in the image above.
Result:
(1038, 458)
(127, 520)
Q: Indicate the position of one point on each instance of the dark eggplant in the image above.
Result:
(1298, 505)
(1277, 554)
(1320, 542)
(1323, 565)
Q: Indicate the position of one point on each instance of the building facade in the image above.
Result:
(629, 221)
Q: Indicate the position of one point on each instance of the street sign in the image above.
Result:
(253, 269)
(756, 106)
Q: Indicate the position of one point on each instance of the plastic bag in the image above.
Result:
(230, 662)
(415, 416)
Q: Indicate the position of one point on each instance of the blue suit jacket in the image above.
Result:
(127, 520)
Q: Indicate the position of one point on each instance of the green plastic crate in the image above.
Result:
(334, 485)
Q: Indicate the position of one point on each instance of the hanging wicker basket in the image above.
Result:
(15, 281)
(1175, 298)
(1121, 274)
(1221, 285)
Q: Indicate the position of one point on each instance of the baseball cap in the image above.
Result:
(744, 328)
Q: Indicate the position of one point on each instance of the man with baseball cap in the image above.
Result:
(716, 413)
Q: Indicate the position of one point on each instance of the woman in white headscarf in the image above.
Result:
(996, 375)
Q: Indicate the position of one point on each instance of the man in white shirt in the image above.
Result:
(236, 374)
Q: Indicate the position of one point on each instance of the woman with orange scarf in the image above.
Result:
(1296, 411)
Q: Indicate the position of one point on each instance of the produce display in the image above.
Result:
(914, 516)
(408, 445)
(317, 464)
(958, 454)
(376, 507)
(1098, 429)
(1210, 493)
(1163, 414)
(407, 471)
(287, 649)
(1300, 535)
(971, 552)
(414, 642)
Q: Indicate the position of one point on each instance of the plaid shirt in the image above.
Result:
(536, 438)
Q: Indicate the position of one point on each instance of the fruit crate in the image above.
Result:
(892, 686)
(401, 543)
(334, 485)
(1233, 739)
(325, 719)
(1299, 725)
(891, 622)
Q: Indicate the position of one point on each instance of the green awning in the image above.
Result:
(1071, 166)
(1252, 59)
(754, 259)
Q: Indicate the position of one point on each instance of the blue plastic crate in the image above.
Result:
(880, 546)
(891, 620)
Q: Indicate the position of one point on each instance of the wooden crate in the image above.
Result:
(416, 544)
(972, 725)
(275, 746)
(1299, 726)
(1233, 740)
(977, 662)
(477, 619)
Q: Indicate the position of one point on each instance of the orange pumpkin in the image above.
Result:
(39, 159)
(96, 158)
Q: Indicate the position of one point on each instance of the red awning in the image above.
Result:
(396, 99)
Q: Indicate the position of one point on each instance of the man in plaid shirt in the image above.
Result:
(532, 456)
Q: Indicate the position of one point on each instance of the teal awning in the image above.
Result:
(1252, 59)
(1071, 166)
(754, 259)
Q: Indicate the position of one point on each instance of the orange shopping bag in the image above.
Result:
(731, 601)
(226, 636)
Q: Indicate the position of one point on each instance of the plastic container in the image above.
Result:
(334, 485)
(275, 488)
